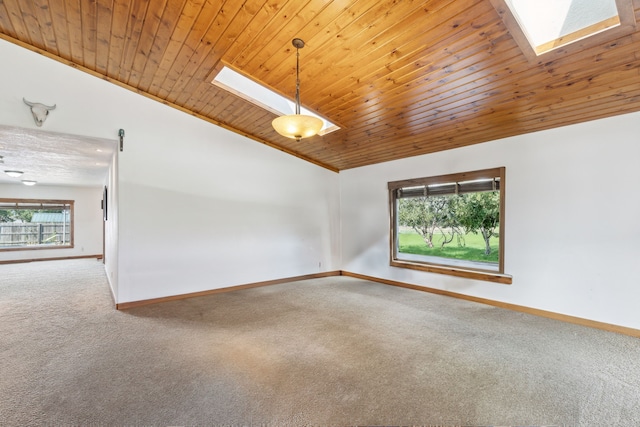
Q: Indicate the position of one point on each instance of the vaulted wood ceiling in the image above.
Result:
(400, 77)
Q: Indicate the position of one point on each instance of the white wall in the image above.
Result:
(203, 208)
(572, 219)
(199, 207)
(87, 237)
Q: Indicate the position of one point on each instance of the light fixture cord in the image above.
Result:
(297, 80)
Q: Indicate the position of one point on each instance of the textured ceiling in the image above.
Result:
(54, 158)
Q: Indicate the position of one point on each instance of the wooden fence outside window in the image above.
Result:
(30, 234)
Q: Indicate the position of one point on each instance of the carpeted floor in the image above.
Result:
(333, 351)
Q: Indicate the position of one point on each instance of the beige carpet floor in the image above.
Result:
(333, 351)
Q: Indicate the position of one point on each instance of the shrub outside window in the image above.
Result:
(450, 224)
(27, 224)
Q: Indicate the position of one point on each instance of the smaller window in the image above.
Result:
(549, 24)
(542, 26)
(257, 94)
(450, 224)
(27, 224)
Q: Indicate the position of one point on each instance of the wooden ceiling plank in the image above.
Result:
(144, 51)
(27, 10)
(584, 95)
(207, 52)
(6, 26)
(320, 31)
(472, 88)
(177, 37)
(104, 13)
(219, 108)
(60, 25)
(165, 78)
(420, 103)
(272, 28)
(118, 32)
(491, 132)
(416, 53)
(535, 85)
(516, 78)
(166, 26)
(462, 59)
(206, 102)
(326, 14)
(528, 81)
(42, 12)
(434, 134)
(487, 123)
(74, 30)
(421, 81)
(361, 38)
(324, 41)
(387, 52)
(211, 100)
(237, 112)
(204, 71)
(254, 116)
(89, 9)
(307, 23)
(135, 21)
(14, 15)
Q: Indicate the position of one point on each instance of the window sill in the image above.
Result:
(34, 247)
(455, 271)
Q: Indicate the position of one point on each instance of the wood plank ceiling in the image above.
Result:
(400, 77)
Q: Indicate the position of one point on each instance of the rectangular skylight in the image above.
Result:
(549, 24)
(267, 99)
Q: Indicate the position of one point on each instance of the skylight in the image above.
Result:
(259, 95)
(549, 24)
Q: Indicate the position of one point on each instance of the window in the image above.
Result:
(27, 224)
(542, 26)
(247, 89)
(450, 224)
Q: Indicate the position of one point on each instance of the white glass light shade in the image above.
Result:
(297, 126)
(28, 182)
(13, 174)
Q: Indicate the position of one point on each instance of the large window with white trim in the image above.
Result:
(451, 224)
(27, 224)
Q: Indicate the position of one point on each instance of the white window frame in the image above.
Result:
(40, 204)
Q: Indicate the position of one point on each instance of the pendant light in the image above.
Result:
(297, 126)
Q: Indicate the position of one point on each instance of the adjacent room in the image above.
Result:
(319, 213)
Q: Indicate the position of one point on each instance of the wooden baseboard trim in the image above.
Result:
(62, 258)
(133, 304)
(520, 308)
